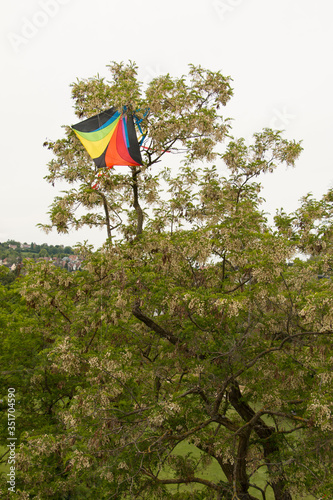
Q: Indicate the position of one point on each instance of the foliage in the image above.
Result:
(199, 325)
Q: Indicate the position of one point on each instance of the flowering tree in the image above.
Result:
(181, 115)
(199, 338)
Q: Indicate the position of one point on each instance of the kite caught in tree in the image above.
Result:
(110, 138)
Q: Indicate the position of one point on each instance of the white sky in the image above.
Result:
(279, 54)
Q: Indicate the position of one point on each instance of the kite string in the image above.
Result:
(137, 122)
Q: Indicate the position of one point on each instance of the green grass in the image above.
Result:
(214, 473)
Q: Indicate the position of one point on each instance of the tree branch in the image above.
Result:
(136, 203)
(188, 480)
(107, 215)
(154, 326)
(161, 332)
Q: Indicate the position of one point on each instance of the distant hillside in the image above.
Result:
(14, 252)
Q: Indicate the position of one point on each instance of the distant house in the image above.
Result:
(13, 247)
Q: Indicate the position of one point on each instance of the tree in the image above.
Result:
(43, 253)
(198, 327)
(183, 115)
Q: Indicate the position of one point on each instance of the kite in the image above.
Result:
(110, 138)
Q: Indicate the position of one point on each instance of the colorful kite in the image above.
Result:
(110, 138)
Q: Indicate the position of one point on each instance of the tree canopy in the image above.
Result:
(197, 337)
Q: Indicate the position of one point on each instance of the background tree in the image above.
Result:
(204, 341)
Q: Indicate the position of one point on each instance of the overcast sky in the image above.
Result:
(279, 54)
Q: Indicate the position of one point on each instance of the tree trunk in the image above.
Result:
(107, 215)
(270, 447)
